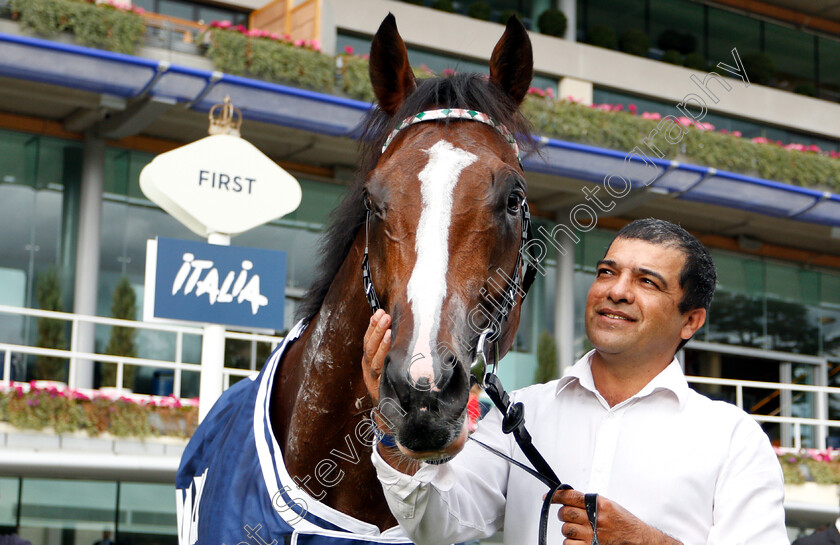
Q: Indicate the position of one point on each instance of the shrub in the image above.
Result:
(122, 341)
(672, 56)
(283, 62)
(546, 358)
(684, 43)
(480, 10)
(760, 67)
(602, 36)
(93, 25)
(635, 42)
(444, 5)
(227, 49)
(552, 22)
(696, 61)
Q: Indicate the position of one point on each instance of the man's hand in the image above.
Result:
(377, 344)
(616, 525)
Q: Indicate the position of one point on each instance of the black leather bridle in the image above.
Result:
(486, 359)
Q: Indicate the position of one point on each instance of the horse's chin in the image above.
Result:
(443, 455)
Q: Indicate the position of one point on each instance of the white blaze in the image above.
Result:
(427, 285)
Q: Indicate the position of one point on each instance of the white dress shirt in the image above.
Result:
(701, 471)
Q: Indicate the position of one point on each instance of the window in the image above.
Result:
(684, 17)
(728, 30)
(792, 51)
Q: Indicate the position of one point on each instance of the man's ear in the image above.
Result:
(694, 320)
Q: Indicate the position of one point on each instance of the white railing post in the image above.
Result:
(797, 435)
(119, 384)
(7, 366)
(176, 378)
(74, 349)
(739, 396)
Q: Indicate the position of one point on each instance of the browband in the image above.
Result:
(456, 113)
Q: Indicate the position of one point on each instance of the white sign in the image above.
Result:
(220, 184)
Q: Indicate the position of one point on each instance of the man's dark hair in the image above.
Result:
(698, 276)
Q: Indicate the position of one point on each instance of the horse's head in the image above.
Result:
(445, 231)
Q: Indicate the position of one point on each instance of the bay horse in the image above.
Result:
(445, 198)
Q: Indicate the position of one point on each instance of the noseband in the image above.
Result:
(486, 359)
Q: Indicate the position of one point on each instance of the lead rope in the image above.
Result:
(513, 422)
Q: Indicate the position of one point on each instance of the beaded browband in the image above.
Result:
(455, 113)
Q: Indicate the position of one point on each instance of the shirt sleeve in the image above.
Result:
(749, 496)
(458, 501)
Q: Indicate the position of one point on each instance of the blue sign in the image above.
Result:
(229, 285)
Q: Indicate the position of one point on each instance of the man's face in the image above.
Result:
(632, 309)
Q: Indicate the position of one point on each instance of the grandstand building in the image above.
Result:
(748, 161)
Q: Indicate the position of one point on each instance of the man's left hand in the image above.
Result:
(616, 525)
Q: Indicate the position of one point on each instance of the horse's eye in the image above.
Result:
(514, 202)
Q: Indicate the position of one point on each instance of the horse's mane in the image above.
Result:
(468, 91)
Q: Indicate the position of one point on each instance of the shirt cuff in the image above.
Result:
(401, 484)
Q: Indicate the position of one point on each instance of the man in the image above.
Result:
(670, 466)
(829, 536)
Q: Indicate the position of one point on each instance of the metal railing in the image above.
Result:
(820, 422)
(74, 354)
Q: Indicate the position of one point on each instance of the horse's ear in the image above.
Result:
(512, 62)
(391, 75)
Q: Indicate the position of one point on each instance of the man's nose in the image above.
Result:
(621, 291)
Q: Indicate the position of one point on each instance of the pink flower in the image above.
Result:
(632, 108)
(138, 10)
(276, 37)
(549, 92)
(315, 44)
(287, 37)
(299, 43)
(736, 133)
(348, 49)
(366, 56)
(651, 115)
(760, 140)
(684, 121)
(708, 126)
(448, 72)
(240, 28)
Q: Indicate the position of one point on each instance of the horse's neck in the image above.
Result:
(320, 398)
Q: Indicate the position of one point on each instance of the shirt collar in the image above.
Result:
(671, 379)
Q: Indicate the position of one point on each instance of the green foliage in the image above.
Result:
(227, 49)
(480, 10)
(444, 5)
(552, 22)
(622, 131)
(50, 332)
(696, 61)
(546, 358)
(94, 25)
(66, 411)
(672, 56)
(760, 67)
(355, 79)
(635, 42)
(283, 62)
(235, 53)
(122, 341)
(802, 467)
(602, 36)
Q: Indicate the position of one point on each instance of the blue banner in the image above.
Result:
(229, 285)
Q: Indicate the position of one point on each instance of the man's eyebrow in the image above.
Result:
(655, 275)
(608, 262)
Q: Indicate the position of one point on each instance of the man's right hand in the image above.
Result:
(376, 346)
